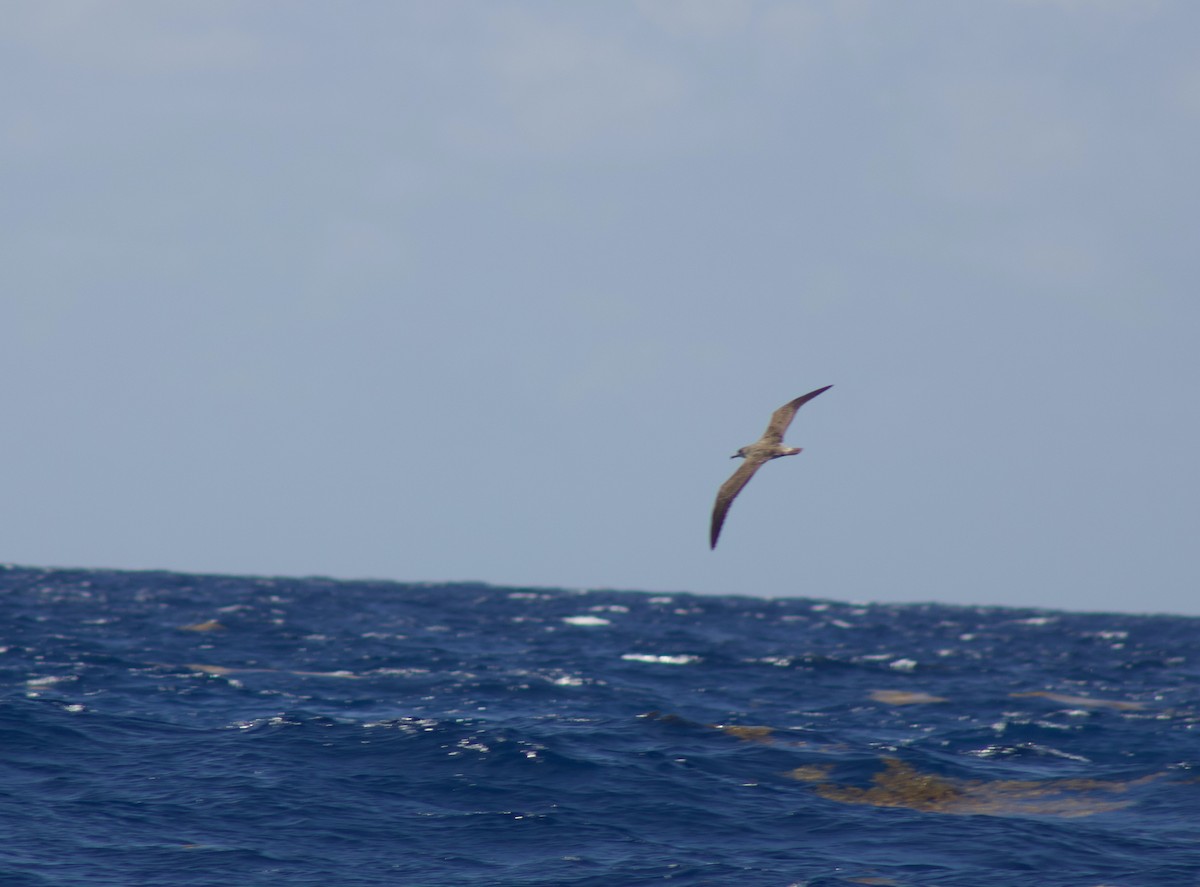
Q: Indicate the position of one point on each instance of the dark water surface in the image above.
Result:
(170, 729)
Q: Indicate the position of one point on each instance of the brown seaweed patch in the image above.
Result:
(746, 733)
(900, 785)
(905, 697)
(1085, 701)
(668, 718)
(208, 625)
(810, 773)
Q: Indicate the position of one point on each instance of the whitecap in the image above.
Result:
(586, 620)
(49, 681)
(568, 681)
(681, 659)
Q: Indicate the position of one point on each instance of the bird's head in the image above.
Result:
(740, 454)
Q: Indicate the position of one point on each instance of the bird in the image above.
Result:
(769, 446)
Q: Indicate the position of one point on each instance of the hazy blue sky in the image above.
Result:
(492, 290)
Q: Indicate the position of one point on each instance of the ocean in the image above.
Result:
(167, 729)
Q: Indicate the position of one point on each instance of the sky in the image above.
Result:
(439, 291)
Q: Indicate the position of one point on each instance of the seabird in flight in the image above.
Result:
(769, 446)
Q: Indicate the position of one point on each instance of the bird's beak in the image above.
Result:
(735, 456)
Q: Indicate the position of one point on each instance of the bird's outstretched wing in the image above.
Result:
(728, 492)
(782, 417)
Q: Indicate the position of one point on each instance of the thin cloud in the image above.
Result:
(135, 37)
(558, 85)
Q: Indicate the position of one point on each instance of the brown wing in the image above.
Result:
(728, 492)
(782, 417)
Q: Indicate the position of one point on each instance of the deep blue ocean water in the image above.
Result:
(170, 729)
